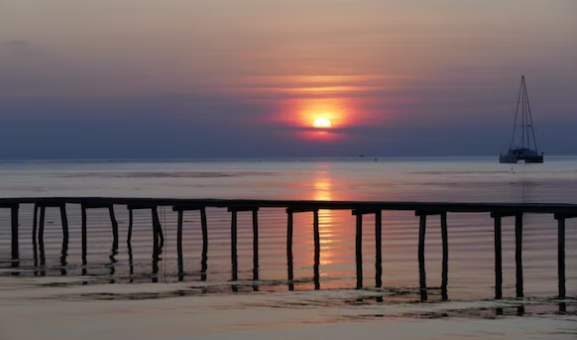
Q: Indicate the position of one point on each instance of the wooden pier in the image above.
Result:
(497, 211)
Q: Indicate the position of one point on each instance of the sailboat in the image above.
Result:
(523, 145)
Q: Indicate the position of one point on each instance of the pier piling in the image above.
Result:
(14, 232)
(130, 262)
(204, 227)
(519, 253)
(445, 238)
(421, 255)
(180, 209)
(317, 238)
(130, 222)
(317, 242)
(84, 233)
(421, 252)
(379, 249)
(157, 227)
(359, 250)
(233, 250)
(289, 248)
(41, 226)
(64, 252)
(497, 216)
(35, 224)
(15, 240)
(233, 239)
(255, 243)
(561, 256)
(84, 208)
(114, 227)
(63, 256)
(157, 234)
(359, 245)
(64, 220)
(498, 256)
(561, 220)
(179, 246)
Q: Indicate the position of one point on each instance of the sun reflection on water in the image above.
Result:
(323, 191)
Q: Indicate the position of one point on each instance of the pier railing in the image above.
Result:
(498, 211)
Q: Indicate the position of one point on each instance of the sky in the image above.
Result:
(126, 79)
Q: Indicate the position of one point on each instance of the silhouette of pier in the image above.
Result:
(497, 211)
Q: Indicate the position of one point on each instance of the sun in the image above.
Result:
(322, 122)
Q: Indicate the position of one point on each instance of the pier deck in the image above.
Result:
(497, 211)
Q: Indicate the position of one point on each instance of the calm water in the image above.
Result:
(128, 295)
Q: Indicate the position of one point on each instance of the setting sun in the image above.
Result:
(322, 122)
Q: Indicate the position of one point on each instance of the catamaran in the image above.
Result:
(523, 145)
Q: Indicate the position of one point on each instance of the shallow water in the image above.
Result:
(129, 295)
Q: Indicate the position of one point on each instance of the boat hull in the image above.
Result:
(513, 159)
(536, 159)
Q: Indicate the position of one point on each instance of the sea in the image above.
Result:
(131, 294)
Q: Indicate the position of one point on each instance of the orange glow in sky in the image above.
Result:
(322, 123)
(304, 112)
(324, 108)
(327, 103)
(325, 116)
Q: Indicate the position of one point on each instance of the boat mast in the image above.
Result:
(528, 139)
(512, 144)
(523, 113)
(529, 119)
